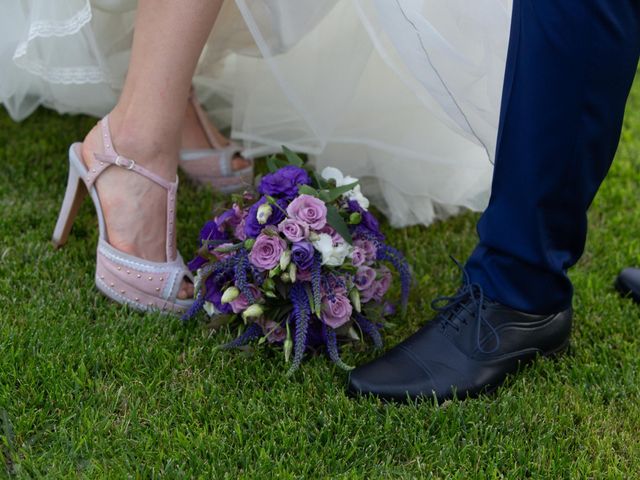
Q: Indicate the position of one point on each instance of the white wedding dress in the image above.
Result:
(404, 94)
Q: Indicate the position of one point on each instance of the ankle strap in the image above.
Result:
(112, 158)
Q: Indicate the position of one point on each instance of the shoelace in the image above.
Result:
(451, 307)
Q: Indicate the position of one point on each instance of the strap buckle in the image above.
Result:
(128, 166)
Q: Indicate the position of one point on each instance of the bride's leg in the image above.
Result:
(146, 123)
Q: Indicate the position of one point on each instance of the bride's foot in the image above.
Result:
(195, 138)
(134, 207)
(208, 157)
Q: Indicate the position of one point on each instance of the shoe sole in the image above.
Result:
(554, 355)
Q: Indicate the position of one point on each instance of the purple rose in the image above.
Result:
(358, 256)
(294, 230)
(252, 227)
(302, 254)
(369, 248)
(336, 310)
(240, 304)
(364, 278)
(267, 250)
(309, 210)
(274, 331)
(284, 182)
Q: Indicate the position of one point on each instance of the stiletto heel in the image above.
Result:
(73, 198)
(141, 284)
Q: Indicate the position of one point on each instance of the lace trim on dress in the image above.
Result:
(59, 28)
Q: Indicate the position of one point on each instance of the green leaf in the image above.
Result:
(293, 158)
(335, 193)
(271, 163)
(306, 189)
(274, 163)
(337, 222)
(320, 182)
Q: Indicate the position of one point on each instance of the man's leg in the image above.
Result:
(570, 68)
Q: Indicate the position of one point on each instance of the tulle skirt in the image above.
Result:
(404, 94)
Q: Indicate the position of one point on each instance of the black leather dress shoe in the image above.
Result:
(468, 349)
(628, 283)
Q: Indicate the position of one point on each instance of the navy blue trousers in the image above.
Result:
(569, 70)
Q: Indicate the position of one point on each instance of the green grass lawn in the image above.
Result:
(90, 389)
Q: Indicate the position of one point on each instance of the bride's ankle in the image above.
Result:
(151, 149)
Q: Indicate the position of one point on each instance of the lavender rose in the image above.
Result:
(302, 255)
(294, 230)
(364, 278)
(267, 250)
(252, 227)
(309, 210)
(274, 331)
(284, 182)
(358, 256)
(384, 280)
(336, 310)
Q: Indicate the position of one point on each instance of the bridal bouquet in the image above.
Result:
(302, 264)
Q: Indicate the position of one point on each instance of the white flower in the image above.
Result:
(332, 255)
(356, 194)
(331, 173)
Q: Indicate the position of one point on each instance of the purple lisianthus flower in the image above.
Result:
(240, 303)
(364, 278)
(302, 255)
(309, 210)
(230, 218)
(285, 182)
(214, 295)
(294, 230)
(336, 310)
(211, 232)
(368, 247)
(212, 236)
(369, 221)
(252, 227)
(267, 250)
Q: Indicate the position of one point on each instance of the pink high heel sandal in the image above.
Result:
(214, 166)
(141, 284)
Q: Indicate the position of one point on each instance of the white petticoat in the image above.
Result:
(404, 94)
